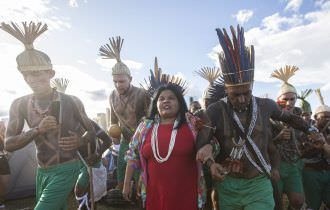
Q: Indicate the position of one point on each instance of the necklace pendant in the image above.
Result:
(236, 153)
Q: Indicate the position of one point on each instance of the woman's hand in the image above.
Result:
(204, 153)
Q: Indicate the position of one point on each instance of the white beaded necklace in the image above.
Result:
(154, 142)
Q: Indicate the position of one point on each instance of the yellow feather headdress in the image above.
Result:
(322, 107)
(284, 74)
(112, 51)
(30, 59)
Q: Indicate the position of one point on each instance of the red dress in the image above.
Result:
(172, 185)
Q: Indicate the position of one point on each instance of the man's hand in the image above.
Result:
(69, 143)
(218, 172)
(46, 124)
(204, 153)
(317, 140)
(285, 134)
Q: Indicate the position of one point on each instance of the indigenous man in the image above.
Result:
(287, 141)
(242, 128)
(316, 172)
(53, 118)
(128, 104)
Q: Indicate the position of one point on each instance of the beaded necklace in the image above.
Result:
(154, 142)
(38, 110)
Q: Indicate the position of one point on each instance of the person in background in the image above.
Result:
(101, 143)
(4, 166)
(194, 107)
(306, 109)
(316, 172)
(288, 141)
(128, 104)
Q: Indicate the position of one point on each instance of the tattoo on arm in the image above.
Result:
(15, 138)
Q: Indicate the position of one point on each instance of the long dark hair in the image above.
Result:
(178, 94)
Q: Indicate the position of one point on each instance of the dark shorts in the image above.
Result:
(4, 165)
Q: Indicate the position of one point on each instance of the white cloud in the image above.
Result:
(277, 23)
(293, 5)
(301, 40)
(73, 3)
(32, 10)
(243, 16)
(82, 62)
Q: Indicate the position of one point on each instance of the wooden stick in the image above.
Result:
(90, 172)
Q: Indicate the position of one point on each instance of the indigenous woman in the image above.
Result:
(164, 147)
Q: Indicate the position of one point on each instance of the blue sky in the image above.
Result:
(180, 33)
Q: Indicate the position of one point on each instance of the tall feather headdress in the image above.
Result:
(304, 105)
(60, 84)
(323, 107)
(157, 79)
(30, 59)
(236, 60)
(284, 74)
(112, 51)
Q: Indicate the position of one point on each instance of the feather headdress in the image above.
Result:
(60, 84)
(304, 105)
(157, 79)
(236, 60)
(30, 59)
(284, 74)
(112, 51)
(322, 107)
(217, 89)
(208, 73)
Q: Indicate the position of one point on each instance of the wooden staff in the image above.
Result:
(90, 172)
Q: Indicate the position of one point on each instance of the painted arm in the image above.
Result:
(15, 138)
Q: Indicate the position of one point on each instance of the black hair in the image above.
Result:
(178, 94)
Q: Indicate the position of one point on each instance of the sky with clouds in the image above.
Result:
(180, 33)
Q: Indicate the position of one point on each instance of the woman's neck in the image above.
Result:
(167, 120)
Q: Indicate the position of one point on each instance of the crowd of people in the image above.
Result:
(233, 151)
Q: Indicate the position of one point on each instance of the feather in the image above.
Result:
(285, 73)
(112, 50)
(305, 93)
(319, 95)
(208, 73)
(60, 84)
(28, 34)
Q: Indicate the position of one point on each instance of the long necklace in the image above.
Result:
(154, 142)
(38, 110)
